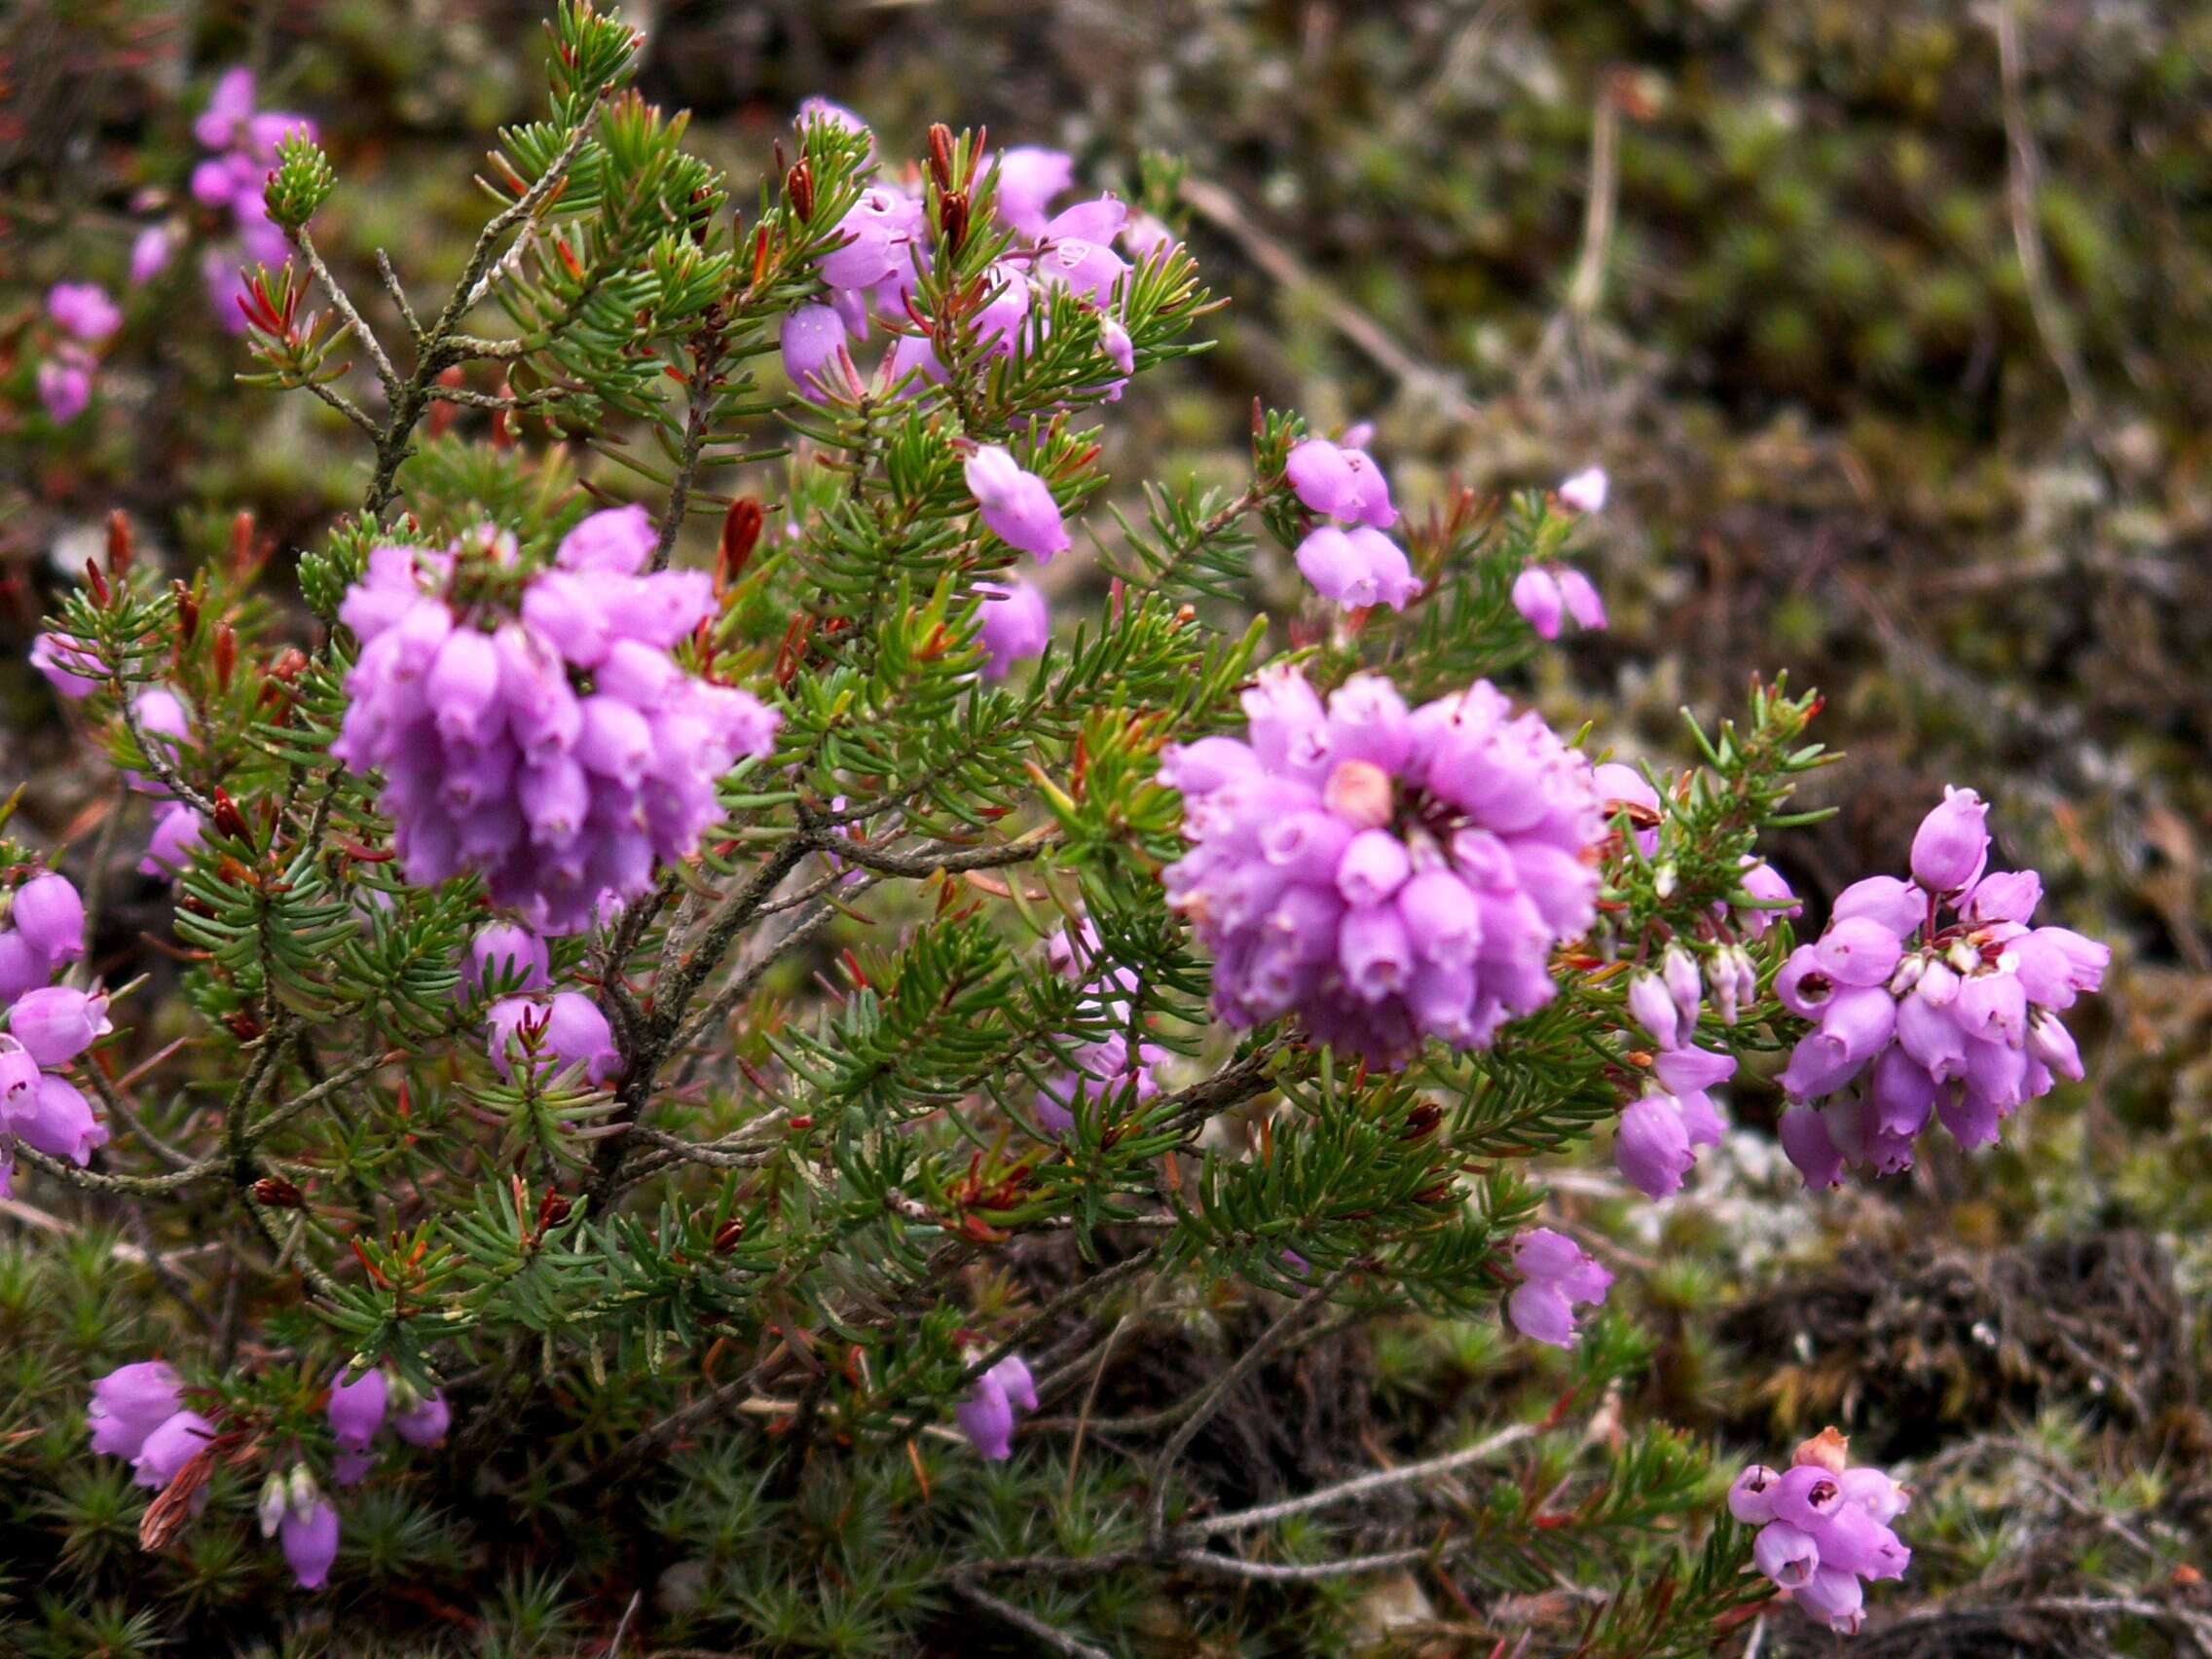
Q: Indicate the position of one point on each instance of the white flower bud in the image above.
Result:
(1678, 968)
(302, 1489)
(1720, 979)
(272, 1504)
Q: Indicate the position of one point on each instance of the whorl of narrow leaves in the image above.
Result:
(301, 183)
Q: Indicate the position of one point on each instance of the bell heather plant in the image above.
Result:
(652, 1000)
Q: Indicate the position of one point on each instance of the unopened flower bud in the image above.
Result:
(228, 819)
(1827, 1449)
(1653, 1009)
(2050, 1042)
(1664, 880)
(1727, 974)
(300, 1489)
(1359, 792)
(274, 1502)
(278, 1194)
(187, 614)
(1907, 976)
(1952, 843)
(1938, 984)
(741, 533)
(1678, 968)
(941, 154)
(798, 190)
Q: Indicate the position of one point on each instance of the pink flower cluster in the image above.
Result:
(1656, 1142)
(1542, 593)
(987, 1415)
(360, 1411)
(1556, 1276)
(138, 1412)
(884, 247)
(1824, 1528)
(48, 1026)
(1387, 874)
(42, 926)
(242, 142)
(1349, 561)
(72, 671)
(294, 1508)
(1920, 1015)
(83, 317)
(1098, 1070)
(559, 752)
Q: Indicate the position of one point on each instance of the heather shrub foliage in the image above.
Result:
(710, 1004)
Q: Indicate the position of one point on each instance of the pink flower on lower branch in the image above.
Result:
(360, 1411)
(51, 1115)
(1542, 593)
(356, 1409)
(175, 1442)
(425, 1421)
(568, 1029)
(130, 1403)
(1358, 567)
(1015, 504)
(1102, 1069)
(1824, 1528)
(1918, 1015)
(987, 1415)
(309, 1537)
(1014, 625)
(1556, 1276)
(294, 1511)
(1656, 1141)
(138, 1412)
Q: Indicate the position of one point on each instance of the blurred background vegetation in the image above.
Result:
(1891, 321)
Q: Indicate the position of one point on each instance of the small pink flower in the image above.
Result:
(1586, 491)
